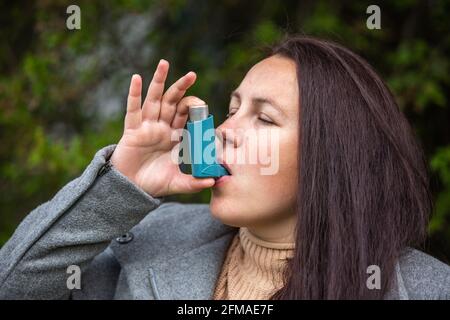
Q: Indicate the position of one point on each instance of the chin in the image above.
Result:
(227, 211)
(220, 209)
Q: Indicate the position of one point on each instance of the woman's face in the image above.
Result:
(262, 124)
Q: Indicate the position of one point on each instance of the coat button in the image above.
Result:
(127, 237)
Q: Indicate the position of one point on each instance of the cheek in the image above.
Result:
(278, 184)
(278, 154)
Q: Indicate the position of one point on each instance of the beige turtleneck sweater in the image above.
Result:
(252, 269)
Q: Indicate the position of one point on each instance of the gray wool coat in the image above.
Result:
(129, 245)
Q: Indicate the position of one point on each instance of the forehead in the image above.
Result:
(274, 77)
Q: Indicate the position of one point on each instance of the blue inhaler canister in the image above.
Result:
(202, 149)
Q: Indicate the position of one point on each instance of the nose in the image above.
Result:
(228, 135)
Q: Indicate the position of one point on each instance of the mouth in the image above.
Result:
(221, 180)
(226, 166)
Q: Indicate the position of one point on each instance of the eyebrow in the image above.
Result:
(259, 101)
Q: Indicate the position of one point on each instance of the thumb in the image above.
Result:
(185, 183)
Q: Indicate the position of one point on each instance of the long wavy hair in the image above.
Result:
(363, 189)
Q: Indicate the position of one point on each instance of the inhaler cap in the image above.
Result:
(199, 112)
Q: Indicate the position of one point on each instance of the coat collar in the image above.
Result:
(399, 292)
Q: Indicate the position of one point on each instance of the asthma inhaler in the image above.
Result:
(202, 149)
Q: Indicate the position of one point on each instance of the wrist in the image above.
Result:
(122, 169)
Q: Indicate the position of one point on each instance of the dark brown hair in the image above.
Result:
(363, 192)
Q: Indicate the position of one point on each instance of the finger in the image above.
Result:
(152, 103)
(133, 116)
(173, 95)
(181, 116)
(188, 184)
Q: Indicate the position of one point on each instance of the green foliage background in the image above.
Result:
(63, 93)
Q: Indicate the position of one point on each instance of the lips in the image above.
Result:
(221, 180)
(226, 166)
(225, 178)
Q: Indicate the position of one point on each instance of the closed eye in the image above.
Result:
(264, 120)
(229, 114)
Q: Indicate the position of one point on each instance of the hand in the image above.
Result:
(143, 154)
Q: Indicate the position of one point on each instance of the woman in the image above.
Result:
(337, 220)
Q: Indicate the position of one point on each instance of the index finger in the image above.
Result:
(181, 116)
(173, 95)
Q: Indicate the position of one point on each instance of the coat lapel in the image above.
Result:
(192, 275)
